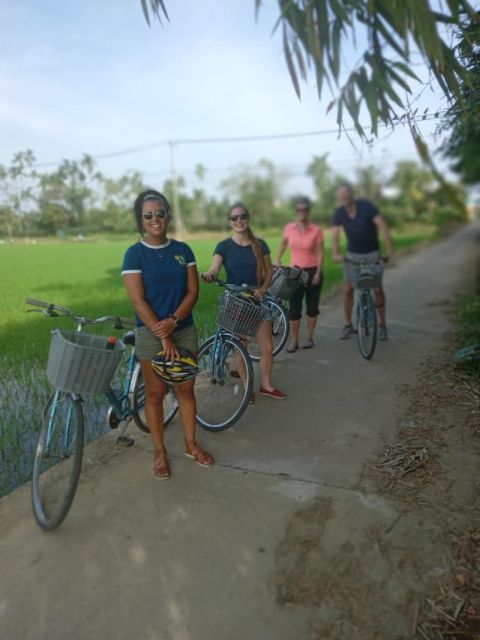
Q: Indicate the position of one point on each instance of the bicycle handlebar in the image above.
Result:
(230, 287)
(54, 311)
(38, 303)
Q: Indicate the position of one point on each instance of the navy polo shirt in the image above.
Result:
(361, 231)
(239, 261)
(164, 273)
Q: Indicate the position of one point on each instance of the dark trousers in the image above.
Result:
(311, 293)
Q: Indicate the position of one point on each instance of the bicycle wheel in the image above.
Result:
(58, 459)
(222, 397)
(137, 398)
(280, 330)
(366, 324)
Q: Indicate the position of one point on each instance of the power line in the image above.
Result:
(111, 154)
(251, 138)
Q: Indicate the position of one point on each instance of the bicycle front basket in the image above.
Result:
(239, 314)
(81, 362)
(369, 277)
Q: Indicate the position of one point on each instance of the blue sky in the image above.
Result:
(92, 77)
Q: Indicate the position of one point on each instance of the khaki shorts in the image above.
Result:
(148, 345)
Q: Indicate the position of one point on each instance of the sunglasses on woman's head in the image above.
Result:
(160, 214)
(241, 216)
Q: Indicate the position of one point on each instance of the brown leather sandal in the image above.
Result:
(161, 467)
(201, 457)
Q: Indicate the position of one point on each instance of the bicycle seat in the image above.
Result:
(129, 338)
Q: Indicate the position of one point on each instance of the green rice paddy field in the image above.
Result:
(84, 277)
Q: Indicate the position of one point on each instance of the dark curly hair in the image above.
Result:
(148, 194)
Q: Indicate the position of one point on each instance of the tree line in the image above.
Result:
(76, 198)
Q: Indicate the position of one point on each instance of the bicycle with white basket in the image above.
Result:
(81, 364)
(368, 272)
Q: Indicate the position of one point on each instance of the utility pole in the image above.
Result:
(177, 214)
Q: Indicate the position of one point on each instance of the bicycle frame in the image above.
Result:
(217, 372)
(366, 323)
(365, 298)
(51, 418)
(121, 403)
(268, 301)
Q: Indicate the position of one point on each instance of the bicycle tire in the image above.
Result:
(280, 331)
(222, 398)
(366, 325)
(137, 399)
(58, 459)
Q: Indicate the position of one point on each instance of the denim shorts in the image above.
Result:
(148, 345)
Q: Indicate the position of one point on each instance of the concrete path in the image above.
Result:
(203, 555)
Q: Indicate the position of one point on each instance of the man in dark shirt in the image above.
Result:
(361, 221)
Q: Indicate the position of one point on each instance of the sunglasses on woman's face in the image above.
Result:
(160, 214)
(301, 209)
(241, 216)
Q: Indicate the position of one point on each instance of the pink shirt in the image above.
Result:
(303, 244)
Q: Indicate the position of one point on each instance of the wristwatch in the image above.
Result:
(175, 318)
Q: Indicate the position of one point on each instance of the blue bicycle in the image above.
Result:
(225, 373)
(368, 278)
(82, 364)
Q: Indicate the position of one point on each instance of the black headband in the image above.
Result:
(154, 196)
(157, 196)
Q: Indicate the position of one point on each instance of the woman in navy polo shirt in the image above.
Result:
(247, 261)
(161, 279)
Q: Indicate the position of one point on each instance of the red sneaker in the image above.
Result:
(273, 393)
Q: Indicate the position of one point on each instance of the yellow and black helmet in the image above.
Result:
(177, 370)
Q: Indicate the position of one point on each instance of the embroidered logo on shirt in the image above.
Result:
(180, 259)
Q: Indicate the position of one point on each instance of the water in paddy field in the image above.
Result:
(22, 398)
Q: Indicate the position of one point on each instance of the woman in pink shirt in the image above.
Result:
(305, 241)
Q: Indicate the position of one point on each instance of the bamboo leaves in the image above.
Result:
(318, 33)
(290, 64)
(157, 7)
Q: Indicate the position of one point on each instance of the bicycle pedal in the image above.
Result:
(125, 441)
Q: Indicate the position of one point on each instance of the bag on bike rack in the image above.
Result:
(286, 280)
